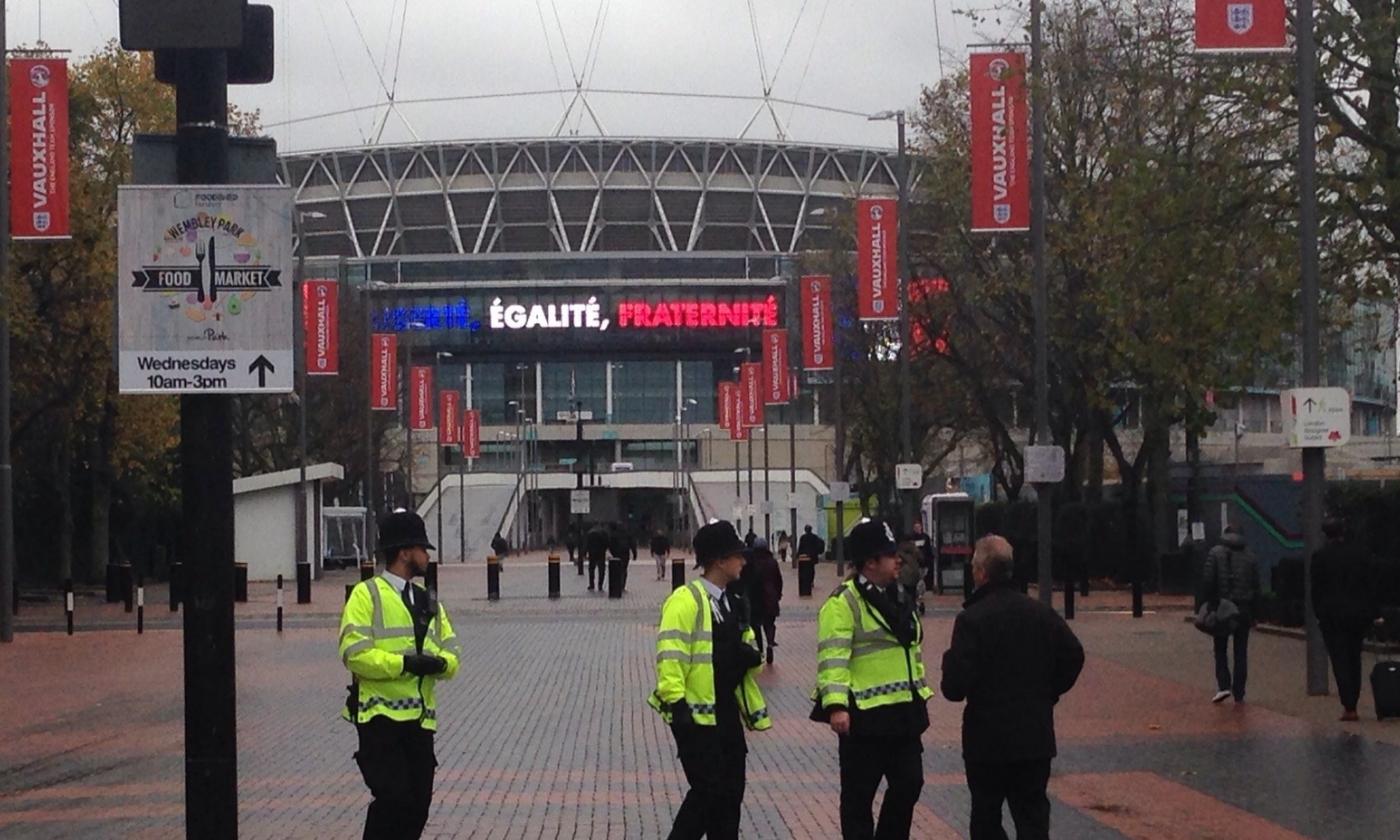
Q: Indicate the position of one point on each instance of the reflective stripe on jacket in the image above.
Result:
(860, 660)
(685, 662)
(376, 632)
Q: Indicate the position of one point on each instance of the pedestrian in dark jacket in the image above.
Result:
(810, 545)
(762, 579)
(571, 545)
(1231, 572)
(1344, 597)
(596, 543)
(1011, 658)
(749, 538)
(660, 551)
(622, 546)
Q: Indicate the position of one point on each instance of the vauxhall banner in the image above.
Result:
(471, 433)
(384, 378)
(39, 148)
(449, 421)
(1000, 143)
(420, 398)
(320, 308)
(738, 431)
(1234, 26)
(877, 266)
(777, 383)
(751, 384)
(727, 406)
(817, 324)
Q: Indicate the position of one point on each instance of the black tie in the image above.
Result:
(723, 608)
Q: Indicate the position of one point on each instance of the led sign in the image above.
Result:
(447, 316)
(693, 314)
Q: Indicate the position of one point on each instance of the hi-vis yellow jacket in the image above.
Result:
(685, 662)
(860, 663)
(376, 632)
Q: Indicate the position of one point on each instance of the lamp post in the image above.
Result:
(906, 350)
(682, 469)
(299, 352)
(439, 356)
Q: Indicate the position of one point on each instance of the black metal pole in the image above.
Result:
(1040, 299)
(767, 489)
(206, 458)
(7, 534)
(371, 527)
(279, 603)
(906, 349)
(1314, 459)
(738, 487)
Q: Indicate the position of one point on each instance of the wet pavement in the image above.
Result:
(546, 734)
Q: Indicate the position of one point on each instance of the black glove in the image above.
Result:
(681, 718)
(748, 656)
(423, 664)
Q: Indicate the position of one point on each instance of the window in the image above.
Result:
(644, 392)
(587, 380)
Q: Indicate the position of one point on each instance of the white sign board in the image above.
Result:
(204, 290)
(767, 507)
(840, 491)
(580, 502)
(908, 476)
(1316, 418)
(1045, 464)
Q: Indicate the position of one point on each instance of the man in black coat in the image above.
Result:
(1344, 596)
(1011, 658)
(811, 545)
(596, 543)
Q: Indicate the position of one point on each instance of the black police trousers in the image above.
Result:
(713, 760)
(397, 762)
(864, 762)
(1019, 784)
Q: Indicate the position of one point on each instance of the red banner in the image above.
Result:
(449, 419)
(1001, 197)
(39, 148)
(777, 388)
(817, 324)
(736, 411)
(727, 410)
(320, 318)
(1224, 26)
(877, 264)
(384, 378)
(471, 433)
(751, 384)
(922, 289)
(420, 398)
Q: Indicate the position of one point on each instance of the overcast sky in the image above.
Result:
(334, 55)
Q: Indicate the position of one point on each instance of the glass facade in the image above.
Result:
(586, 380)
(644, 392)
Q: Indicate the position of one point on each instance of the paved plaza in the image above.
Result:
(546, 733)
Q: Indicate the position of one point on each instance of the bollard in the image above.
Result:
(578, 560)
(554, 576)
(240, 582)
(113, 585)
(176, 572)
(124, 582)
(279, 603)
(140, 605)
(806, 576)
(1069, 599)
(430, 577)
(493, 578)
(366, 570)
(614, 577)
(303, 583)
(677, 573)
(14, 599)
(68, 602)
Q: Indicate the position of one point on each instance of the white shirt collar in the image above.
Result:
(716, 595)
(397, 582)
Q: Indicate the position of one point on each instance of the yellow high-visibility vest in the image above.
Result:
(860, 663)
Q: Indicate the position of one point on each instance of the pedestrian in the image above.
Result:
(501, 549)
(397, 642)
(1344, 592)
(705, 687)
(783, 545)
(810, 545)
(571, 545)
(924, 546)
(911, 575)
(1011, 658)
(871, 688)
(749, 538)
(763, 587)
(620, 545)
(660, 552)
(1231, 572)
(596, 541)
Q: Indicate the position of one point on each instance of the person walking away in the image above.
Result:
(620, 546)
(784, 544)
(911, 575)
(1231, 572)
(397, 642)
(660, 552)
(596, 541)
(871, 688)
(501, 549)
(810, 545)
(749, 538)
(571, 545)
(763, 587)
(1344, 591)
(924, 546)
(1011, 658)
(705, 687)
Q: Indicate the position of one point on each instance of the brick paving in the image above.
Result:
(545, 734)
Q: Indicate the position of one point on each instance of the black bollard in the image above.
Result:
(14, 598)
(493, 578)
(806, 576)
(1069, 598)
(578, 560)
(430, 577)
(125, 583)
(113, 583)
(140, 605)
(68, 603)
(677, 572)
(279, 603)
(366, 570)
(303, 583)
(614, 577)
(240, 582)
(177, 571)
(553, 576)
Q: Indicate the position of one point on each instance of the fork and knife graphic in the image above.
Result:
(206, 279)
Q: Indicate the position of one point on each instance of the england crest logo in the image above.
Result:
(1002, 213)
(1240, 17)
(42, 220)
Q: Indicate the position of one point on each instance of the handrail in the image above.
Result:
(512, 506)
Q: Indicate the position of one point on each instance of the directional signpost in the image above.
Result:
(1316, 417)
(204, 292)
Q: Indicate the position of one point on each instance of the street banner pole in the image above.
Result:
(7, 534)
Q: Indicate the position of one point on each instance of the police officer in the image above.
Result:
(705, 689)
(397, 642)
(871, 689)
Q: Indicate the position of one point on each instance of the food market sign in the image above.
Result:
(204, 290)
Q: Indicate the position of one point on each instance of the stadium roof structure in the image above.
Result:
(579, 195)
